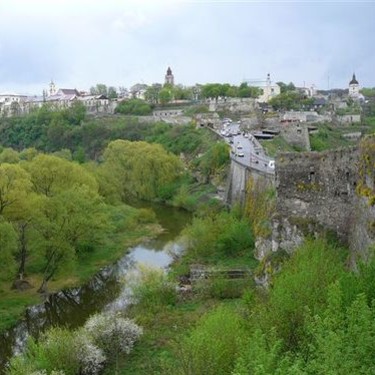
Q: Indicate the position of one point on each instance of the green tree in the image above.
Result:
(51, 175)
(152, 93)
(112, 93)
(214, 160)
(8, 155)
(99, 89)
(182, 93)
(75, 114)
(136, 107)
(290, 100)
(165, 95)
(8, 247)
(246, 91)
(14, 185)
(211, 90)
(138, 169)
(286, 87)
(368, 92)
(69, 223)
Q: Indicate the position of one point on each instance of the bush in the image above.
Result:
(63, 352)
(113, 333)
(224, 288)
(55, 350)
(90, 357)
(136, 107)
(152, 291)
(146, 215)
(301, 286)
(219, 234)
(211, 347)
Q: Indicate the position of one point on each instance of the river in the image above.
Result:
(105, 291)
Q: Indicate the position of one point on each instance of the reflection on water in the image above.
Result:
(105, 291)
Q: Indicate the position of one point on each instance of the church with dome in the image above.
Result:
(354, 88)
(169, 77)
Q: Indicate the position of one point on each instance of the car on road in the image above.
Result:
(240, 154)
(239, 146)
(271, 164)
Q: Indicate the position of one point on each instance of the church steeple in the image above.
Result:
(353, 81)
(354, 88)
(169, 78)
(52, 88)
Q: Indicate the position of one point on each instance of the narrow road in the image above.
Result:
(246, 149)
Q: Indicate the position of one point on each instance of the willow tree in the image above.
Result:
(138, 169)
(70, 214)
(8, 246)
(51, 175)
(14, 185)
(17, 206)
(69, 223)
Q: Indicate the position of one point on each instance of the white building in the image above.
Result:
(308, 91)
(270, 89)
(354, 88)
(11, 103)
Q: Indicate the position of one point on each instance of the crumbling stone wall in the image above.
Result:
(317, 188)
(234, 105)
(318, 191)
(296, 134)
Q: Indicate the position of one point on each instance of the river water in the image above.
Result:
(106, 290)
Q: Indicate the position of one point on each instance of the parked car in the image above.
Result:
(271, 164)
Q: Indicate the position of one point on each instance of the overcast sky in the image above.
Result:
(79, 43)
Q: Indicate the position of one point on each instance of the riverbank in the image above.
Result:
(106, 291)
(218, 242)
(130, 230)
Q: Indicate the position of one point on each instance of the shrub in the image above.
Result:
(113, 333)
(219, 234)
(223, 288)
(55, 350)
(90, 357)
(146, 215)
(153, 291)
(211, 347)
(136, 107)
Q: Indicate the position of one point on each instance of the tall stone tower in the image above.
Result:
(354, 87)
(169, 78)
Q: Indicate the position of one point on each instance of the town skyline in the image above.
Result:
(78, 44)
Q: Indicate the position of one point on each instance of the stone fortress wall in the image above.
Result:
(317, 191)
(238, 178)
